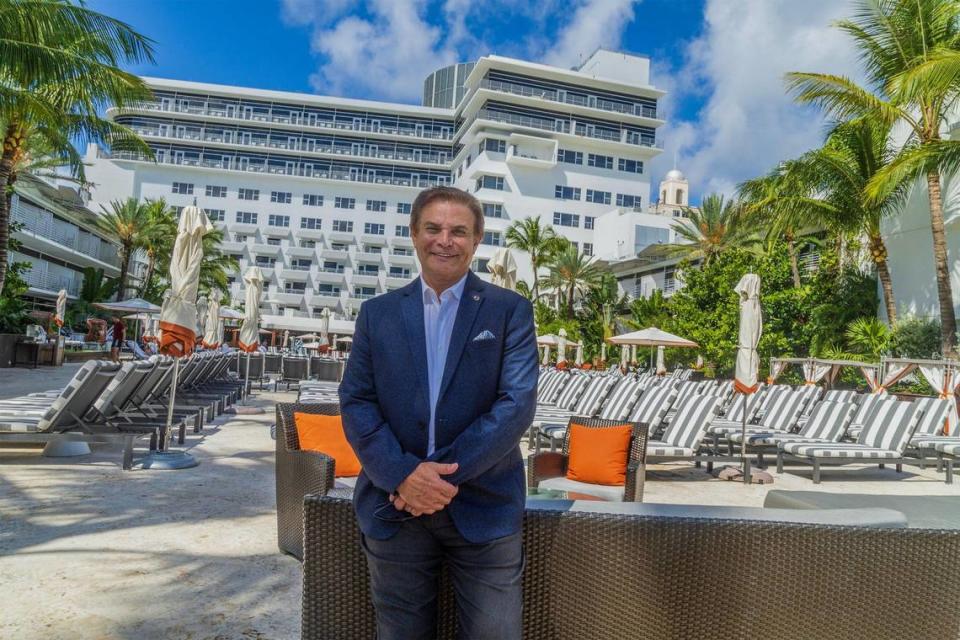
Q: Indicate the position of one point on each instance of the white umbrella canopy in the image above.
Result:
(249, 331)
(548, 339)
(230, 314)
(579, 358)
(546, 354)
(324, 324)
(178, 319)
(625, 357)
(652, 337)
(503, 268)
(202, 305)
(211, 329)
(133, 305)
(751, 326)
(61, 307)
(661, 364)
(562, 346)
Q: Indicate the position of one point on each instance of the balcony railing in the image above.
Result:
(308, 121)
(43, 224)
(40, 276)
(563, 126)
(553, 95)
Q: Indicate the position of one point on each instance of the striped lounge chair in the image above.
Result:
(588, 405)
(682, 437)
(929, 432)
(883, 441)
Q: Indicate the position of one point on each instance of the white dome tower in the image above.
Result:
(674, 189)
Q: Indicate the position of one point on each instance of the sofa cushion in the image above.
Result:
(605, 492)
(325, 434)
(598, 455)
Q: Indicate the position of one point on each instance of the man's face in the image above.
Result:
(445, 242)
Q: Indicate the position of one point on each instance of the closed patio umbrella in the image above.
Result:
(324, 325)
(202, 305)
(249, 331)
(661, 364)
(625, 357)
(61, 308)
(503, 269)
(562, 346)
(211, 329)
(579, 359)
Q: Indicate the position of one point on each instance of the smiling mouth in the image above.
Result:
(444, 255)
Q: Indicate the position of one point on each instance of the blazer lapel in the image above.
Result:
(412, 309)
(470, 303)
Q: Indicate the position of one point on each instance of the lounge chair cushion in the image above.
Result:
(933, 442)
(18, 424)
(950, 449)
(598, 455)
(659, 448)
(842, 451)
(323, 433)
(605, 492)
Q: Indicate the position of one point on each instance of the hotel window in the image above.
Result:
(588, 248)
(601, 162)
(402, 251)
(247, 217)
(480, 265)
(570, 157)
(598, 197)
(280, 197)
(491, 210)
(328, 289)
(340, 246)
(302, 264)
(177, 211)
(376, 205)
(367, 269)
(404, 207)
(273, 242)
(373, 228)
(399, 272)
(266, 261)
(294, 287)
(492, 238)
(566, 219)
(403, 231)
(345, 226)
(345, 203)
(630, 166)
(490, 182)
(469, 160)
(566, 193)
(332, 266)
(248, 194)
(308, 244)
(215, 215)
(497, 146)
(588, 222)
(312, 200)
(311, 223)
(364, 292)
(575, 245)
(278, 221)
(628, 201)
(213, 191)
(183, 188)
(240, 237)
(372, 249)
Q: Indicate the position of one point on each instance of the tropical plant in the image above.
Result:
(127, 222)
(868, 337)
(214, 269)
(909, 50)
(540, 242)
(13, 306)
(60, 67)
(710, 230)
(916, 338)
(602, 306)
(571, 276)
(162, 232)
(96, 287)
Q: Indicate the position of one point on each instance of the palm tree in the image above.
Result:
(571, 274)
(539, 242)
(128, 222)
(710, 230)
(60, 67)
(909, 50)
(162, 225)
(216, 264)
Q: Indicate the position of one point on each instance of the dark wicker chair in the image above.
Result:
(597, 576)
(553, 464)
(298, 473)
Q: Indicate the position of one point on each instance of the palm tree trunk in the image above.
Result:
(536, 288)
(794, 267)
(948, 319)
(124, 267)
(11, 142)
(878, 251)
(570, 303)
(151, 261)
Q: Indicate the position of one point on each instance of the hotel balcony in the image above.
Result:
(231, 246)
(374, 239)
(346, 237)
(62, 239)
(529, 151)
(292, 272)
(329, 276)
(243, 227)
(401, 261)
(334, 254)
(264, 249)
(361, 280)
(402, 241)
(622, 136)
(394, 282)
(309, 234)
(324, 300)
(295, 251)
(286, 297)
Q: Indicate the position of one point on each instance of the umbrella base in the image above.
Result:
(168, 460)
(735, 474)
(63, 448)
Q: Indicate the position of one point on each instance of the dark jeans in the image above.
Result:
(404, 572)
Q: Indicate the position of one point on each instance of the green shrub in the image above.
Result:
(916, 338)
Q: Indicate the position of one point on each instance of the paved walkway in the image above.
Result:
(18, 381)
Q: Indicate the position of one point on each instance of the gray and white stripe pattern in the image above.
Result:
(623, 397)
(594, 396)
(553, 387)
(828, 423)
(934, 416)
(653, 406)
(885, 435)
(571, 392)
(685, 433)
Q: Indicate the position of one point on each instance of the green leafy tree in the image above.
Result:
(909, 50)
(158, 241)
(128, 222)
(60, 66)
(540, 243)
(214, 270)
(602, 305)
(710, 230)
(571, 276)
(96, 287)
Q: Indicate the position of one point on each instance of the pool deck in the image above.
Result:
(88, 551)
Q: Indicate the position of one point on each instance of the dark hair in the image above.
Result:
(447, 194)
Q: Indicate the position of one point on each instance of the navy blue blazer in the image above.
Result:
(487, 401)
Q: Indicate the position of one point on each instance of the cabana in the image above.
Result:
(817, 369)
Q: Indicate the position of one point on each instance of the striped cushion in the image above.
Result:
(653, 406)
(932, 442)
(622, 399)
(773, 392)
(890, 426)
(594, 396)
(840, 451)
(840, 395)
(828, 422)
(659, 448)
(866, 405)
(690, 423)
(572, 391)
(553, 387)
(935, 412)
(952, 449)
(782, 413)
(18, 424)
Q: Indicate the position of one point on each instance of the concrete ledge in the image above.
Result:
(922, 512)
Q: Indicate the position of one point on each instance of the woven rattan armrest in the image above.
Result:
(544, 465)
(633, 490)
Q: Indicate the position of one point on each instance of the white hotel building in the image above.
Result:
(317, 190)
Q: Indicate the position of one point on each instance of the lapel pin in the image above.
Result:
(476, 297)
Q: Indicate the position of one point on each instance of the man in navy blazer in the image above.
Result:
(439, 387)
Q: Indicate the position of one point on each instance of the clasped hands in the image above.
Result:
(424, 491)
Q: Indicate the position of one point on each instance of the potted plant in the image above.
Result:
(13, 312)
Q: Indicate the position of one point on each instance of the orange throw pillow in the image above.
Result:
(325, 434)
(598, 455)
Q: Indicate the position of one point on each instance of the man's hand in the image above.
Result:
(424, 491)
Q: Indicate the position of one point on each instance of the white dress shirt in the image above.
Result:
(439, 315)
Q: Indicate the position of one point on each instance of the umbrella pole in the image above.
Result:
(743, 444)
(162, 458)
(173, 399)
(246, 380)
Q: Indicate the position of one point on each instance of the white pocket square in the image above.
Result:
(484, 335)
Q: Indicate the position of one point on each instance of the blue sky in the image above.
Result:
(721, 61)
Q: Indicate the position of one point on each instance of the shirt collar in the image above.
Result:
(455, 291)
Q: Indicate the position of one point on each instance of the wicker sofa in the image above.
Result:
(632, 570)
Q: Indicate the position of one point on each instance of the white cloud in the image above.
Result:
(748, 123)
(594, 23)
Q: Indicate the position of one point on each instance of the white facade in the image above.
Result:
(279, 171)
